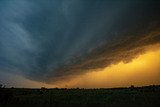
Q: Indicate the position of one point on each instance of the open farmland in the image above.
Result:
(148, 96)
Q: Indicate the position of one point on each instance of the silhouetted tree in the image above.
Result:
(132, 87)
(43, 88)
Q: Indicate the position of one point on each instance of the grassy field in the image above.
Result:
(148, 96)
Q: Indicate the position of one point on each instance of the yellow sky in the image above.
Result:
(143, 70)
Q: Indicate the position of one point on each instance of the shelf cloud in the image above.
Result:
(55, 39)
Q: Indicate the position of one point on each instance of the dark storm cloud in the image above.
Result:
(46, 40)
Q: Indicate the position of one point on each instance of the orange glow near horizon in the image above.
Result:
(144, 70)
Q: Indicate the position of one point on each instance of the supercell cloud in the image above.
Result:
(45, 40)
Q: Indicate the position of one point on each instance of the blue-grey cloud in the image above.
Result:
(44, 40)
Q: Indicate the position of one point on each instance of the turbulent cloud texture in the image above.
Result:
(45, 40)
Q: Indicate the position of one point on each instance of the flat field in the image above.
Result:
(148, 96)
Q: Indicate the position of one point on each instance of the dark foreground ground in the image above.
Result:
(148, 96)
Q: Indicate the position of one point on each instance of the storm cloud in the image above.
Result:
(52, 39)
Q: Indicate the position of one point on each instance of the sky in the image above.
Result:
(79, 43)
